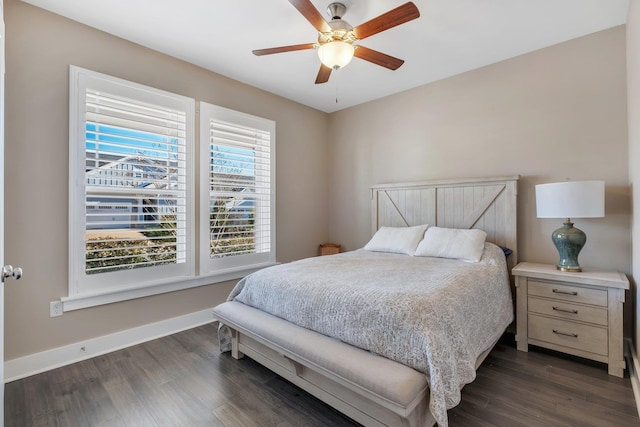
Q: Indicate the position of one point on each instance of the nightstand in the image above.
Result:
(575, 313)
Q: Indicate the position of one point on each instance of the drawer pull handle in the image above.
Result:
(558, 291)
(564, 310)
(572, 335)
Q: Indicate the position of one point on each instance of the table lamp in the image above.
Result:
(571, 199)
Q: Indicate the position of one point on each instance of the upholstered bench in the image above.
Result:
(371, 389)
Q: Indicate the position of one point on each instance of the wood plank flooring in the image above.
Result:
(183, 380)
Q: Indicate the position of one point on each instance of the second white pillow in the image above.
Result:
(453, 243)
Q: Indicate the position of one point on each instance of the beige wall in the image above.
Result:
(548, 115)
(40, 47)
(633, 95)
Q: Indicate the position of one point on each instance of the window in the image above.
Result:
(131, 182)
(132, 222)
(237, 190)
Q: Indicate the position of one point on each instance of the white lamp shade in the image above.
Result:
(571, 199)
(336, 54)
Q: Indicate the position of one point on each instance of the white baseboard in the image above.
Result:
(634, 370)
(50, 359)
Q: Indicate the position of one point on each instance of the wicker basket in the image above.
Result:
(329, 249)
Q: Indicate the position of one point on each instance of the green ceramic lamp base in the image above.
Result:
(569, 242)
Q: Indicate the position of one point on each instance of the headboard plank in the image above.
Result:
(488, 204)
(391, 210)
(481, 204)
(397, 208)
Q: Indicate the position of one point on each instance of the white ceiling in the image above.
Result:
(450, 37)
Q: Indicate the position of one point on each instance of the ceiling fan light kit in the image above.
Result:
(335, 54)
(336, 38)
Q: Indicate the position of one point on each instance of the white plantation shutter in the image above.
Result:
(237, 190)
(135, 162)
(131, 184)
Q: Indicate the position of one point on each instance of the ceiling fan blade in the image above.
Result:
(281, 49)
(323, 74)
(378, 58)
(309, 11)
(393, 18)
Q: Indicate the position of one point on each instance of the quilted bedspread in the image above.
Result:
(434, 315)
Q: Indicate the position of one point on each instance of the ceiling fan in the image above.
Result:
(336, 38)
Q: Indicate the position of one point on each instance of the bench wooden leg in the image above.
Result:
(235, 338)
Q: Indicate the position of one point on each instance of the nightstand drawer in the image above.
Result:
(569, 334)
(568, 310)
(568, 293)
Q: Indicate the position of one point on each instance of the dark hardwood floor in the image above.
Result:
(183, 380)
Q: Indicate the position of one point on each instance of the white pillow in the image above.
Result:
(399, 240)
(454, 243)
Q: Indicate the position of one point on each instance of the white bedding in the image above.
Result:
(434, 315)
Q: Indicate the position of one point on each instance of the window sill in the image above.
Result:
(92, 300)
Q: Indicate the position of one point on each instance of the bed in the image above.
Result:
(389, 339)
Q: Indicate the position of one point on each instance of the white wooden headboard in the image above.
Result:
(488, 204)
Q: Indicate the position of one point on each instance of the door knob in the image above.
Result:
(9, 271)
